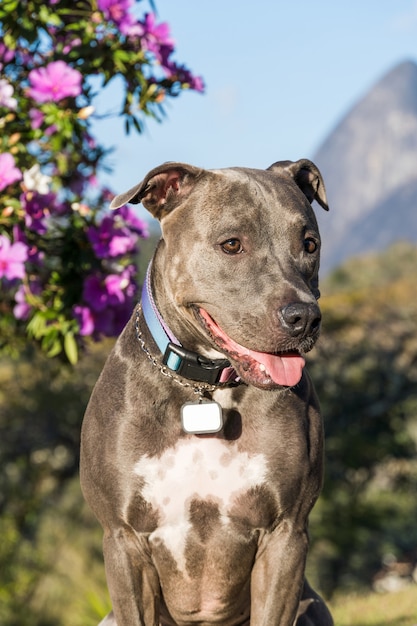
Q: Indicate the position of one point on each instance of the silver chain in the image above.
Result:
(198, 388)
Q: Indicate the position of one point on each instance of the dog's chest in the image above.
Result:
(199, 486)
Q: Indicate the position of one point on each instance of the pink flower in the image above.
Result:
(117, 11)
(12, 258)
(6, 55)
(121, 287)
(9, 173)
(22, 308)
(55, 81)
(110, 238)
(85, 319)
(109, 322)
(112, 290)
(36, 207)
(73, 43)
(36, 118)
(155, 36)
(95, 293)
(108, 302)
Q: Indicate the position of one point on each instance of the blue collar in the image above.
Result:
(183, 362)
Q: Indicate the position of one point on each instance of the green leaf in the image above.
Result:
(55, 349)
(71, 348)
(8, 7)
(50, 17)
(36, 326)
(123, 55)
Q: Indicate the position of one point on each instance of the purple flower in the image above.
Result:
(120, 287)
(155, 36)
(6, 95)
(156, 39)
(55, 81)
(12, 258)
(34, 255)
(197, 83)
(121, 316)
(35, 206)
(84, 317)
(36, 118)
(109, 322)
(22, 308)
(122, 243)
(73, 43)
(95, 293)
(103, 323)
(9, 173)
(117, 11)
(114, 285)
(111, 240)
(51, 130)
(132, 221)
(100, 292)
(38, 208)
(108, 303)
(6, 55)
(183, 75)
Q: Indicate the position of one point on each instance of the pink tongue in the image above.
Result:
(284, 370)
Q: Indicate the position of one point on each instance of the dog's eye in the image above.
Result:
(310, 245)
(232, 246)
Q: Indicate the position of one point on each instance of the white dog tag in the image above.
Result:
(200, 418)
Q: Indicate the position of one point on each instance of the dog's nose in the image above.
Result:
(300, 318)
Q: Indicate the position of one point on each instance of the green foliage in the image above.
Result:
(41, 511)
(365, 372)
(57, 578)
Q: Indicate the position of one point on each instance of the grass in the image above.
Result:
(390, 609)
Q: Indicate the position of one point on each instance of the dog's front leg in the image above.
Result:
(278, 576)
(132, 579)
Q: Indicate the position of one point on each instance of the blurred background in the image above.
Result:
(334, 82)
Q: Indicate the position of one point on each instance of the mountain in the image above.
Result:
(369, 164)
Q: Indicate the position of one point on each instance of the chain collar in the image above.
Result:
(199, 388)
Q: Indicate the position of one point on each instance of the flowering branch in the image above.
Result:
(67, 270)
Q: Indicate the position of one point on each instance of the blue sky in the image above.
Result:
(279, 75)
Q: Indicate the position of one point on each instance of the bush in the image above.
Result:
(67, 269)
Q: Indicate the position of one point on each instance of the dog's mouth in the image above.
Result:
(261, 369)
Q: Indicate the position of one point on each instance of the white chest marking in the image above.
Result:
(207, 469)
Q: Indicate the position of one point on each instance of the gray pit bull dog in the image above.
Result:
(202, 444)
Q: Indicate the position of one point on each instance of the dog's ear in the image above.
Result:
(162, 189)
(308, 178)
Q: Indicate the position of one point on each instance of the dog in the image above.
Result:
(202, 443)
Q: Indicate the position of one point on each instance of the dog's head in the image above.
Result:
(238, 263)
